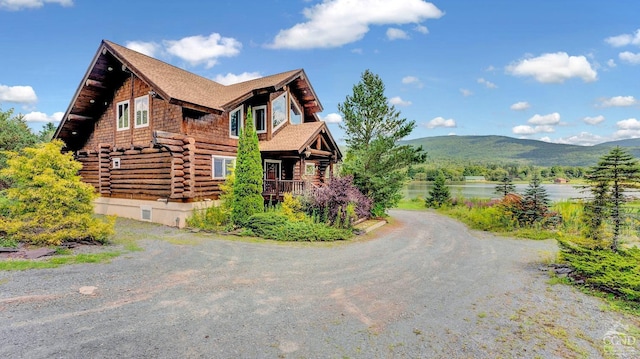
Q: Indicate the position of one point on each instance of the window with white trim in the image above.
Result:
(235, 122)
(310, 169)
(221, 166)
(260, 118)
(122, 115)
(279, 111)
(115, 163)
(141, 106)
(295, 115)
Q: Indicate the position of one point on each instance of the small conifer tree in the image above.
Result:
(439, 195)
(247, 187)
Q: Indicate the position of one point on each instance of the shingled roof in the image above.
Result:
(178, 84)
(293, 138)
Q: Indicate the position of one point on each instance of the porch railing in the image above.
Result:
(280, 187)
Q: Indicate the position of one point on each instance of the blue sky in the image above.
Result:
(559, 71)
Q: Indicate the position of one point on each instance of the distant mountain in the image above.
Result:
(502, 149)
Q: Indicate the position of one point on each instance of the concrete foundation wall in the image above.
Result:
(168, 213)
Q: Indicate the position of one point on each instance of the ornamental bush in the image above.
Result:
(337, 203)
(47, 203)
(273, 225)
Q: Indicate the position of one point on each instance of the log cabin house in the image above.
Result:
(156, 141)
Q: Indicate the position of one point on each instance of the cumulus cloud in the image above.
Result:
(205, 50)
(554, 68)
(593, 120)
(396, 34)
(488, 84)
(43, 117)
(545, 120)
(466, 92)
(147, 48)
(624, 39)
(412, 80)
(581, 139)
(421, 29)
(230, 79)
(520, 106)
(630, 57)
(18, 94)
(15, 5)
(441, 122)
(611, 63)
(629, 128)
(526, 130)
(398, 101)
(333, 23)
(332, 118)
(618, 101)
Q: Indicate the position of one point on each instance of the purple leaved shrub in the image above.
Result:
(338, 203)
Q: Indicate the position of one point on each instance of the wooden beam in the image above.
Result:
(320, 152)
(75, 117)
(95, 83)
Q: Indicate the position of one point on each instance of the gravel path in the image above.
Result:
(423, 286)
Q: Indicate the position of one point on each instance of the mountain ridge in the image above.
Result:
(504, 149)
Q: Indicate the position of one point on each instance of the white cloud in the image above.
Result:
(357, 51)
(43, 117)
(628, 124)
(624, 39)
(593, 120)
(15, 5)
(332, 118)
(398, 101)
(230, 79)
(466, 92)
(630, 57)
(532, 130)
(520, 106)
(333, 23)
(490, 68)
(546, 139)
(582, 139)
(629, 128)
(554, 68)
(396, 34)
(487, 83)
(203, 49)
(18, 94)
(545, 120)
(611, 63)
(441, 122)
(412, 80)
(421, 29)
(618, 101)
(147, 48)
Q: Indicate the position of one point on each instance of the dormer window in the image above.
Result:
(235, 122)
(279, 111)
(260, 118)
(295, 115)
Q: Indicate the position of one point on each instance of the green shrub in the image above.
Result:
(292, 208)
(615, 272)
(212, 218)
(277, 226)
(47, 203)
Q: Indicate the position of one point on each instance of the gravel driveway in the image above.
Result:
(423, 286)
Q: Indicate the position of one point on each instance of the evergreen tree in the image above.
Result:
(374, 158)
(505, 186)
(614, 172)
(535, 202)
(439, 195)
(247, 187)
(47, 202)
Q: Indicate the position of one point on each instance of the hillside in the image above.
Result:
(502, 149)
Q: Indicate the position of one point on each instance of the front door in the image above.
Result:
(272, 170)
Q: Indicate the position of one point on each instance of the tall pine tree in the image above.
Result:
(247, 187)
(614, 172)
(374, 158)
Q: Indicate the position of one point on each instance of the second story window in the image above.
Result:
(122, 113)
(142, 111)
(295, 115)
(235, 122)
(279, 111)
(260, 118)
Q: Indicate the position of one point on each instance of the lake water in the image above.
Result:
(556, 192)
